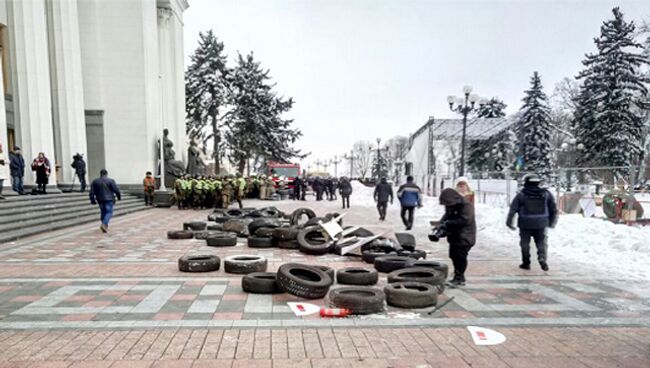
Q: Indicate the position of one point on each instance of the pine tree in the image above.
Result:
(255, 122)
(476, 161)
(205, 94)
(608, 116)
(380, 166)
(535, 129)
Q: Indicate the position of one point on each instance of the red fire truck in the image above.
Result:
(283, 171)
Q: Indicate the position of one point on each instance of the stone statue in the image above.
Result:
(195, 164)
(173, 168)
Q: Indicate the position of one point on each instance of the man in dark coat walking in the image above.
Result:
(410, 196)
(103, 191)
(460, 225)
(79, 166)
(536, 211)
(345, 188)
(383, 193)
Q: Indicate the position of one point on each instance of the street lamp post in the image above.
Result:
(318, 163)
(336, 162)
(350, 157)
(378, 168)
(464, 106)
(326, 164)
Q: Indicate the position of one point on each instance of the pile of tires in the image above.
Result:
(304, 281)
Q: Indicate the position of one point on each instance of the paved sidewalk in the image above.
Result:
(78, 295)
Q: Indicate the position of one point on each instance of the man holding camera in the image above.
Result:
(459, 226)
(537, 210)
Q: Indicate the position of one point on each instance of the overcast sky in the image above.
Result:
(362, 69)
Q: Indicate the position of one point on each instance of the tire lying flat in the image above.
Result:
(328, 270)
(357, 276)
(359, 300)
(389, 264)
(180, 234)
(303, 281)
(194, 225)
(436, 265)
(260, 283)
(245, 264)
(260, 242)
(419, 274)
(221, 240)
(199, 263)
(411, 294)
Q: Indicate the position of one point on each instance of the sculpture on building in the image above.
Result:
(173, 168)
(195, 164)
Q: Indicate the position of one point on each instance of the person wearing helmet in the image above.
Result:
(536, 210)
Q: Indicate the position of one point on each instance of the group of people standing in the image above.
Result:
(41, 167)
(534, 206)
(328, 186)
(211, 192)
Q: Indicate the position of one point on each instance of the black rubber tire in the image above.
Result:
(245, 264)
(303, 281)
(389, 264)
(219, 218)
(222, 240)
(328, 270)
(297, 215)
(260, 283)
(260, 242)
(314, 221)
(357, 276)
(436, 265)
(308, 246)
(180, 234)
(236, 226)
(359, 300)
(361, 232)
(419, 274)
(406, 240)
(266, 232)
(288, 244)
(270, 212)
(235, 213)
(194, 225)
(411, 294)
(285, 233)
(215, 227)
(415, 254)
(370, 255)
(204, 234)
(262, 222)
(199, 263)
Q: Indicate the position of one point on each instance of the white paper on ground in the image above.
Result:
(332, 228)
(485, 336)
(303, 309)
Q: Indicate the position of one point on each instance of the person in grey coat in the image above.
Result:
(345, 189)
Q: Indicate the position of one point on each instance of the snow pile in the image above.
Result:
(363, 195)
(614, 248)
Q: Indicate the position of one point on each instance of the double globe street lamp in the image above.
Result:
(464, 106)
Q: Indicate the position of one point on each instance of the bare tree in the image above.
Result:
(397, 148)
(363, 154)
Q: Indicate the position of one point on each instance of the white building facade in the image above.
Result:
(96, 77)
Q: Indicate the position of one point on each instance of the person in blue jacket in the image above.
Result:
(410, 196)
(536, 211)
(103, 191)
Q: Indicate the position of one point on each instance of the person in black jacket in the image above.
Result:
(345, 188)
(383, 193)
(460, 225)
(79, 166)
(536, 211)
(297, 188)
(17, 170)
(103, 191)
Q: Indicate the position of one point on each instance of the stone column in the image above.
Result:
(32, 98)
(4, 170)
(67, 84)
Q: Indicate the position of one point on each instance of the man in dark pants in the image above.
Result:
(460, 224)
(536, 210)
(103, 191)
(79, 166)
(410, 196)
(345, 188)
(297, 188)
(383, 193)
(17, 170)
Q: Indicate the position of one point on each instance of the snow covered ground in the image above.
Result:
(621, 250)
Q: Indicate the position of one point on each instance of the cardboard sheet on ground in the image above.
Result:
(588, 206)
(485, 336)
(303, 309)
(359, 242)
(332, 228)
